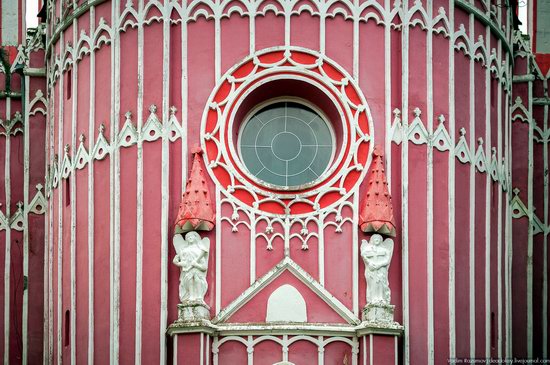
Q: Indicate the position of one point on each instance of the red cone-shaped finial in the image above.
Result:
(196, 211)
(376, 209)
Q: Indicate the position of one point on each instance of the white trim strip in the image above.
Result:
(471, 253)
(91, 197)
(139, 194)
(452, 192)
(74, 96)
(26, 167)
(165, 190)
(430, 190)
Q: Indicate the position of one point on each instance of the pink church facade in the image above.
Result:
(124, 125)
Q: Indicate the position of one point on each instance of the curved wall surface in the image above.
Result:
(134, 84)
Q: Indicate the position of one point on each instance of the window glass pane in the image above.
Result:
(286, 144)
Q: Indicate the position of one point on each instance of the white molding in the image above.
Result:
(452, 193)
(60, 221)
(165, 192)
(287, 264)
(139, 193)
(91, 197)
(355, 255)
(472, 201)
(488, 205)
(73, 203)
(26, 178)
(430, 191)
(405, 187)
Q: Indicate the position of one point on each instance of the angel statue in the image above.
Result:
(377, 256)
(192, 258)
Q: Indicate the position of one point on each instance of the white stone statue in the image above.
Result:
(192, 258)
(377, 256)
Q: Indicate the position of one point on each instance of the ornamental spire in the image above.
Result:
(376, 209)
(196, 211)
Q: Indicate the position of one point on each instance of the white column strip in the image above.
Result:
(175, 350)
(322, 27)
(499, 217)
(472, 133)
(251, 219)
(532, 122)
(217, 47)
(7, 259)
(26, 156)
(165, 187)
(364, 338)
(387, 93)
(201, 356)
(252, 31)
(405, 181)
(430, 189)
(356, 43)
(73, 202)
(250, 345)
(355, 254)
(114, 183)
(218, 252)
(451, 185)
(91, 220)
(47, 245)
(488, 201)
(139, 191)
(60, 193)
(50, 337)
(371, 350)
(321, 242)
(184, 97)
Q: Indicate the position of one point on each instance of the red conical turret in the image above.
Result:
(376, 209)
(196, 211)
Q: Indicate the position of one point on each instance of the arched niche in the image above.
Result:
(286, 304)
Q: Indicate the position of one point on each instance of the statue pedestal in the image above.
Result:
(191, 334)
(379, 314)
(379, 335)
(193, 312)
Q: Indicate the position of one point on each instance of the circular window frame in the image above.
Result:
(240, 89)
(230, 131)
(287, 99)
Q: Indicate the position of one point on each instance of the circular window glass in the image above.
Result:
(286, 144)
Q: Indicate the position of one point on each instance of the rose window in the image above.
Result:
(286, 144)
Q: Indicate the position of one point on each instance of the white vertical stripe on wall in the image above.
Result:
(472, 198)
(488, 201)
(451, 184)
(387, 95)
(165, 190)
(405, 182)
(25, 311)
(529, 323)
(91, 220)
(184, 97)
(218, 252)
(114, 183)
(7, 259)
(51, 126)
(500, 241)
(73, 203)
(139, 192)
(430, 188)
(355, 254)
(60, 215)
